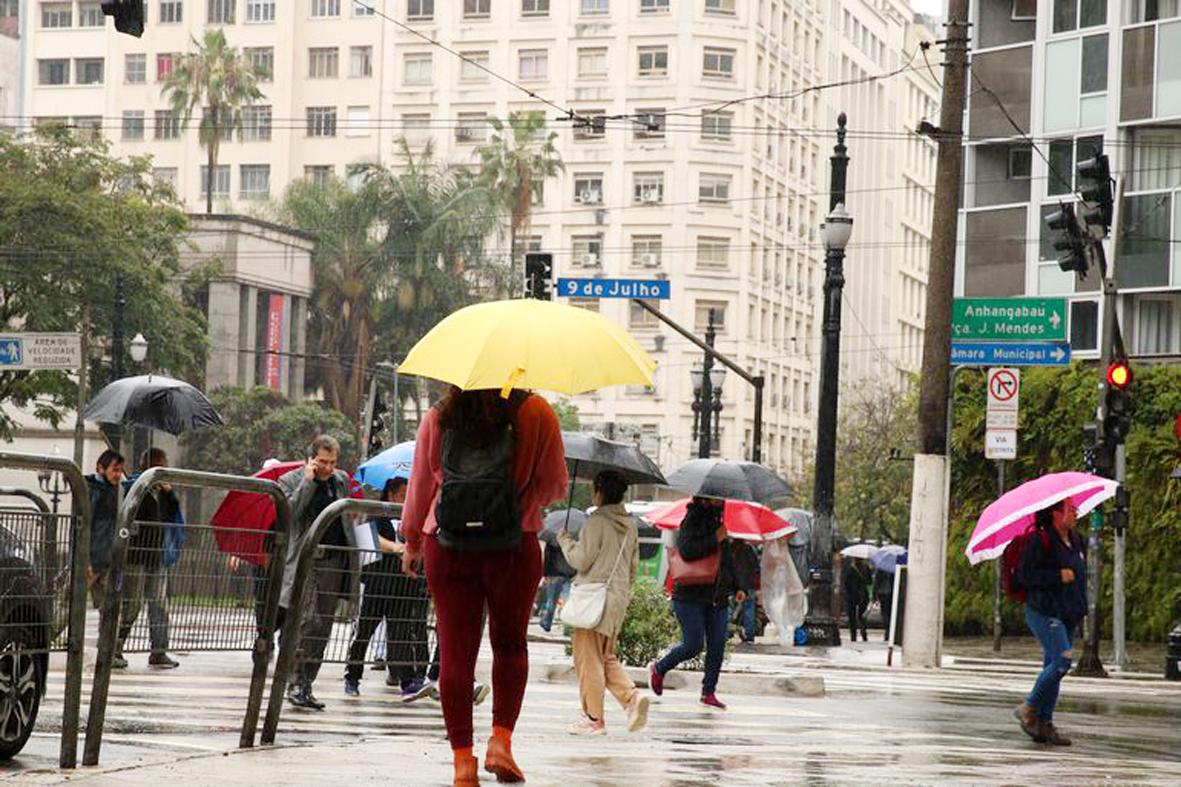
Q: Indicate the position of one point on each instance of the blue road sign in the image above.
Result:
(1010, 353)
(12, 351)
(647, 289)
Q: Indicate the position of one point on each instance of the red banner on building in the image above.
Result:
(276, 328)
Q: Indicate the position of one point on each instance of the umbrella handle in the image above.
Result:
(570, 498)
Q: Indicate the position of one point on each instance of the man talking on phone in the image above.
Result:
(310, 489)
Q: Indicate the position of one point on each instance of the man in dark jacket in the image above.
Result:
(1053, 572)
(104, 506)
(855, 590)
(558, 574)
(883, 589)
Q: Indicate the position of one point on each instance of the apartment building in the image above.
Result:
(1055, 81)
(10, 104)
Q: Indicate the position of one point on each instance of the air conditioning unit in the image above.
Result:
(463, 133)
(650, 196)
(588, 260)
(658, 343)
(649, 261)
(590, 196)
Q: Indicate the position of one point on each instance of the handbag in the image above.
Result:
(587, 603)
(703, 571)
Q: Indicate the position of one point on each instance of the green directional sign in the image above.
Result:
(1008, 319)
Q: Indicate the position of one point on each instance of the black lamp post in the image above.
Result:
(707, 396)
(822, 622)
(51, 484)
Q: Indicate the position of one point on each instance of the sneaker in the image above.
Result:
(302, 697)
(637, 712)
(432, 690)
(414, 689)
(1051, 735)
(162, 661)
(712, 701)
(655, 680)
(480, 692)
(312, 702)
(1029, 722)
(118, 662)
(588, 726)
(352, 688)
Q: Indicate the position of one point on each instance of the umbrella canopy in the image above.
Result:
(155, 402)
(729, 480)
(393, 462)
(1012, 513)
(803, 521)
(242, 521)
(589, 454)
(888, 558)
(860, 551)
(743, 520)
(562, 519)
(529, 343)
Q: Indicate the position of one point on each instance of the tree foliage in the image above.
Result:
(71, 217)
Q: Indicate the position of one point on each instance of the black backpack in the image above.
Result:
(478, 508)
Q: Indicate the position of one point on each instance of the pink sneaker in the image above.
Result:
(587, 726)
(712, 701)
(637, 712)
(655, 680)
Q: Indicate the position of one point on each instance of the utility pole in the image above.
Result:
(115, 430)
(83, 393)
(706, 401)
(923, 630)
(996, 565)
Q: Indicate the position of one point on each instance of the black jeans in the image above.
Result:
(856, 612)
(402, 603)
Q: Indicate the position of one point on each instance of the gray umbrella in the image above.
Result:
(589, 454)
(155, 402)
(729, 480)
(800, 540)
(562, 519)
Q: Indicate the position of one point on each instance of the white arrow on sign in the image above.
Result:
(1058, 354)
(1055, 319)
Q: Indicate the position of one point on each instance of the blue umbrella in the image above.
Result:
(888, 558)
(394, 462)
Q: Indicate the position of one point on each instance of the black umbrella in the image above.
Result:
(589, 454)
(729, 480)
(562, 519)
(154, 402)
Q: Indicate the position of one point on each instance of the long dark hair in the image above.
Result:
(479, 415)
(700, 526)
(1044, 518)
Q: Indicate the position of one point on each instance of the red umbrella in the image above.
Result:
(242, 521)
(744, 520)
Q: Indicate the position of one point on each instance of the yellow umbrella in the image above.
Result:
(531, 344)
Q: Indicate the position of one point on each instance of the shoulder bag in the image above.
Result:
(703, 571)
(587, 603)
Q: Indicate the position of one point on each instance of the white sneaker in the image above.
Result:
(637, 712)
(480, 692)
(585, 726)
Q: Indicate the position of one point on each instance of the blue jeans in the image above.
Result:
(555, 588)
(1056, 638)
(746, 617)
(700, 624)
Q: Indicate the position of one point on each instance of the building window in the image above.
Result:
(653, 61)
(1020, 163)
(357, 121)
(220, 12)
(588, 188)
(534, 7)
(714, 189)
(88, 127)
(701, 310)
(717, 126)
(361, 61)
(321, 121)
(88, 70)
(1075, 14)
(135, 69)
(53, 72)
(221, 181)
(323, 8)
(167, 124)
(417, 69)
(262, 60)
(90, 15)
(165, 175)
(1065, 156)
(420, 10)
(323, 62)
(588, 251)
(533, 64)
(592, 62)
(1084, 325)
(472, 127)
(171, 12)
(590, 124)
(133, 125)
(473, 67)
(225, 127)
(318, 173)
(254, 181)
(639, 318)
(590, 304)
(1154, 326)
(164, 63)
(719, 7)
(256, 124)
(648, 188)
(595, 6)
(718, 62)
(258, 11)
(650, 123)
(713, 253)
(416, 128)
(363, 9)
(477, 9)
(647, 251)
(653, 6)
(55, 15)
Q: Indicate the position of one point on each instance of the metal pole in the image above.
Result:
(996, 590)
(115, 430)
(705, 436)
(756, 451)
(83, 393)
(1118, 629)
(397, 410)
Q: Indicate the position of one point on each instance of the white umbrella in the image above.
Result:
(863, 551)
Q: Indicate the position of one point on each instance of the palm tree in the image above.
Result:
(221, 81)
(513, 160)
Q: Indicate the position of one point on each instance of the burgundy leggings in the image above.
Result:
(463, 585)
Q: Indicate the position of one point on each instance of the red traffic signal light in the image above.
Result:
(1119, 375)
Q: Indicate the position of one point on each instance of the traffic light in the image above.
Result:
(1117, 405)
(129, 15)
(539, 274)
(1070, 240)
(1118, 518)
(376, 425)
(1094, 176)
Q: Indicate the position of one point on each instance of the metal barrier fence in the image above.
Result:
(217, 602)
(43, 571)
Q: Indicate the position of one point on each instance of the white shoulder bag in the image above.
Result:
(587, 602)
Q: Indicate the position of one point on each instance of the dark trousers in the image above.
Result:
(701, 624)
(328, 586)
(886, 602)
(407, 651)
(855, 609)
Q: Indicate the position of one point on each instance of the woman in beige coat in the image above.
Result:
(609, 542)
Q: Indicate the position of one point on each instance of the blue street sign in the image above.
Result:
(11, 351)
(1010, 353)
(647, 289)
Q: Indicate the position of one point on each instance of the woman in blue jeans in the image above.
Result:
(703, 611)
(1053, 572)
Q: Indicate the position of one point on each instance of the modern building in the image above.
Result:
(1053, 82)
(10, 62)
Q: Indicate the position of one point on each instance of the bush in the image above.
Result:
(649, 628)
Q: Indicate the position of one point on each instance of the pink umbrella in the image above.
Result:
(1012, 514)
(744, 520)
